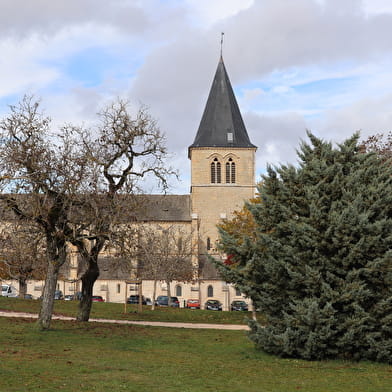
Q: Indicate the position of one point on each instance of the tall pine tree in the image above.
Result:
(320, 267)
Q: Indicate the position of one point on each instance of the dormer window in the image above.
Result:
(216, 172)
(229, 137)
(230, 172)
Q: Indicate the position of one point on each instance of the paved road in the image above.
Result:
(232, 327)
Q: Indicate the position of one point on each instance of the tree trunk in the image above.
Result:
(154, 294)
(45, 315)
(254, 313)
(168, 293)
(22, 287)
(57, 255)
(88, 279)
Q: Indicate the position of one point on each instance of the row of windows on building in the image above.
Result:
(178, 290)
(216, 171)
(210, 291)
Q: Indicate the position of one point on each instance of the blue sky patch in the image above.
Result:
(90, 66)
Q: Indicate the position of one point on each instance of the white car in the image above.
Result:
(8, 291)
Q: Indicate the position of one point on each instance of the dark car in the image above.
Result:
(58, 294)
(134, 299)
(213, 304)
(239, 306)
(97, 298)
(163, 300)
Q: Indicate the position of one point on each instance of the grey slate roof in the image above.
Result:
(139, 208)
(222, 116)
(164, 208)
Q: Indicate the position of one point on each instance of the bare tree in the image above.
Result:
(122, 150)
(74, 182)
(40, 171)
(22, 253)
(166, 253)
(380, 144)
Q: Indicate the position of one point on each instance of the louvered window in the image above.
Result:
(216, 172)
(230, 172)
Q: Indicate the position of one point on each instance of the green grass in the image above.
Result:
(116, 311)
(87, 357)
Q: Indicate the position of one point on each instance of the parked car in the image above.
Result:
(134, 299)
(163, 300)
(97, 298)
(213, 304)
(28, 296)
(192, 304)
(58, 294)
(69, 297)
(8, 291)
(239, 305)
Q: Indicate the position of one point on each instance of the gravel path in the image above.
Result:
(232, 327)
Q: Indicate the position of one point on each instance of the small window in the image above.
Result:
(118, 288)
(210, 291)
(237, 293)
(178, 291)
(216, 172)
(208, 243)
(229, 137)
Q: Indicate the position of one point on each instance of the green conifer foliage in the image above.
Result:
(320, 268)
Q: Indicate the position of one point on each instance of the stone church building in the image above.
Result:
(222, 178)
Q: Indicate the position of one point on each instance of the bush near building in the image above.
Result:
(319, 265)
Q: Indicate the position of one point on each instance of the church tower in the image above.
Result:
(222, 161)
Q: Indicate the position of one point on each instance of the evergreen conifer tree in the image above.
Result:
(320, 267)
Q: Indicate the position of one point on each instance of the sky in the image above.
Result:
(318, 65)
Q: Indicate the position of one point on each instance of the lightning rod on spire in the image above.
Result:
(221, 43)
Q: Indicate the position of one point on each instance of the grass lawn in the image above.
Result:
(116, 311)
(105, 357)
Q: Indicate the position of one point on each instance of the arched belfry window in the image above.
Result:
(216, 172)
(230, 172)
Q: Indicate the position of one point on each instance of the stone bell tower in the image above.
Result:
(222, 161)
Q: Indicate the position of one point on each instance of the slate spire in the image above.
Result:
(222, 124)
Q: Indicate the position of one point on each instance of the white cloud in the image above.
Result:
(209, 12)
(252, 94)
(377, 6)
(282, 89)
(318, 64)
(368, 115)
(20, 72)
(20, 18)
